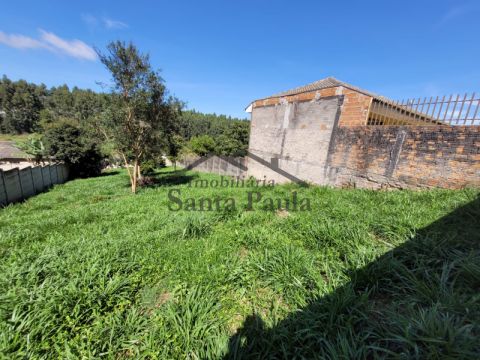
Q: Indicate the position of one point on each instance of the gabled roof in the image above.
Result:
(324, 84)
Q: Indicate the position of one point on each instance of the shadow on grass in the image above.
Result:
(108, 173)
(171, 178)
(419, 300)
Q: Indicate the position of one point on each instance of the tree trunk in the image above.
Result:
(134, 176)
(139, 173)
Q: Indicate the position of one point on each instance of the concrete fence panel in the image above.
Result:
(63, 172)
(47, 180)
(228, 166)
(13, 186)
(17, 185)
(26, 182)
(37, 179)
(66, 172)
(3, 192)
(53, 174)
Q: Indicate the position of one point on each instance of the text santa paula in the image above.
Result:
(251, 200)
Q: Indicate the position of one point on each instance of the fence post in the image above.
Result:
(20, 183)
(3, 194)
(33, 182)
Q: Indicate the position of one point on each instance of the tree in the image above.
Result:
(142, 113)
(21, 105)
(68, 143)
(234, 142)
(175, 145)
(202, 145)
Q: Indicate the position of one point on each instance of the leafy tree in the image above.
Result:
(175, 145)
(143, 109)
(234, 141)
(61, 102)
(67, 142)
(202, 145)
(21, 106)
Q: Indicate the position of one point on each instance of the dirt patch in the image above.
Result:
(282, 213)
(163, 298)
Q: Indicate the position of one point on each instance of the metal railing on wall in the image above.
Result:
(460, 110)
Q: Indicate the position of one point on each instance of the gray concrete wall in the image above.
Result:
(47, 181)
(13, 186)
(37, 179)
(221, 165)
(17, 185)
(53, 174)
(3, 192)
(297, 134)
(26, 182)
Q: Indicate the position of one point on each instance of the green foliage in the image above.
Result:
(33, 147)
(202, 145)
(230, 134)
(144, 115)
(29, 107)
(26, 107)
(21, 104)
(87, 271)
(148, 167)
(68, 143)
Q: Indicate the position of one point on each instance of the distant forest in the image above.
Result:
(30, 108)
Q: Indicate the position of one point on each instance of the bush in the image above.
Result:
(68, 143)
(148, 167)
(202, 145)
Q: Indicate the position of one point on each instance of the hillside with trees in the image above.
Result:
(70, 124)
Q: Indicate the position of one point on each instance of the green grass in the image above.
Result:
(89, 270)
(13, 137)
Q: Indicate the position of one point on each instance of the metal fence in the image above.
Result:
(462, 110)
(19, 184)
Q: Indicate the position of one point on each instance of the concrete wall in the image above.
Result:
(17, 185)
(298, 134)
(222, 165)
(405, 157)
(322, 137)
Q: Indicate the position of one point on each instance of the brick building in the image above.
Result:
(330, 132)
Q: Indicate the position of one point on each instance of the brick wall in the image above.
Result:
(355, 108)
(405, 157)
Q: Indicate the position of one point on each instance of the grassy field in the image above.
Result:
(89, 270)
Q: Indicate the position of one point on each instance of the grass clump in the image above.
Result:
(88, 270)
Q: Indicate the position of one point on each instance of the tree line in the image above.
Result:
(136, 122)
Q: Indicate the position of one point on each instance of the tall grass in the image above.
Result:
(88, 270)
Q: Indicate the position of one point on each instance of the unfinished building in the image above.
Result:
(330, 132)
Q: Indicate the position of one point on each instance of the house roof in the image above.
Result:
(8, 150)
(324, 84)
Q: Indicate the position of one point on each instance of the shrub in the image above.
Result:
(68, 143)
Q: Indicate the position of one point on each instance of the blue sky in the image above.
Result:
(220, 55)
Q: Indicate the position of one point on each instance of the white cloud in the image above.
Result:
(108, 23)
(20, 41)
(51, 42)
(114, 24)
(74, 48)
